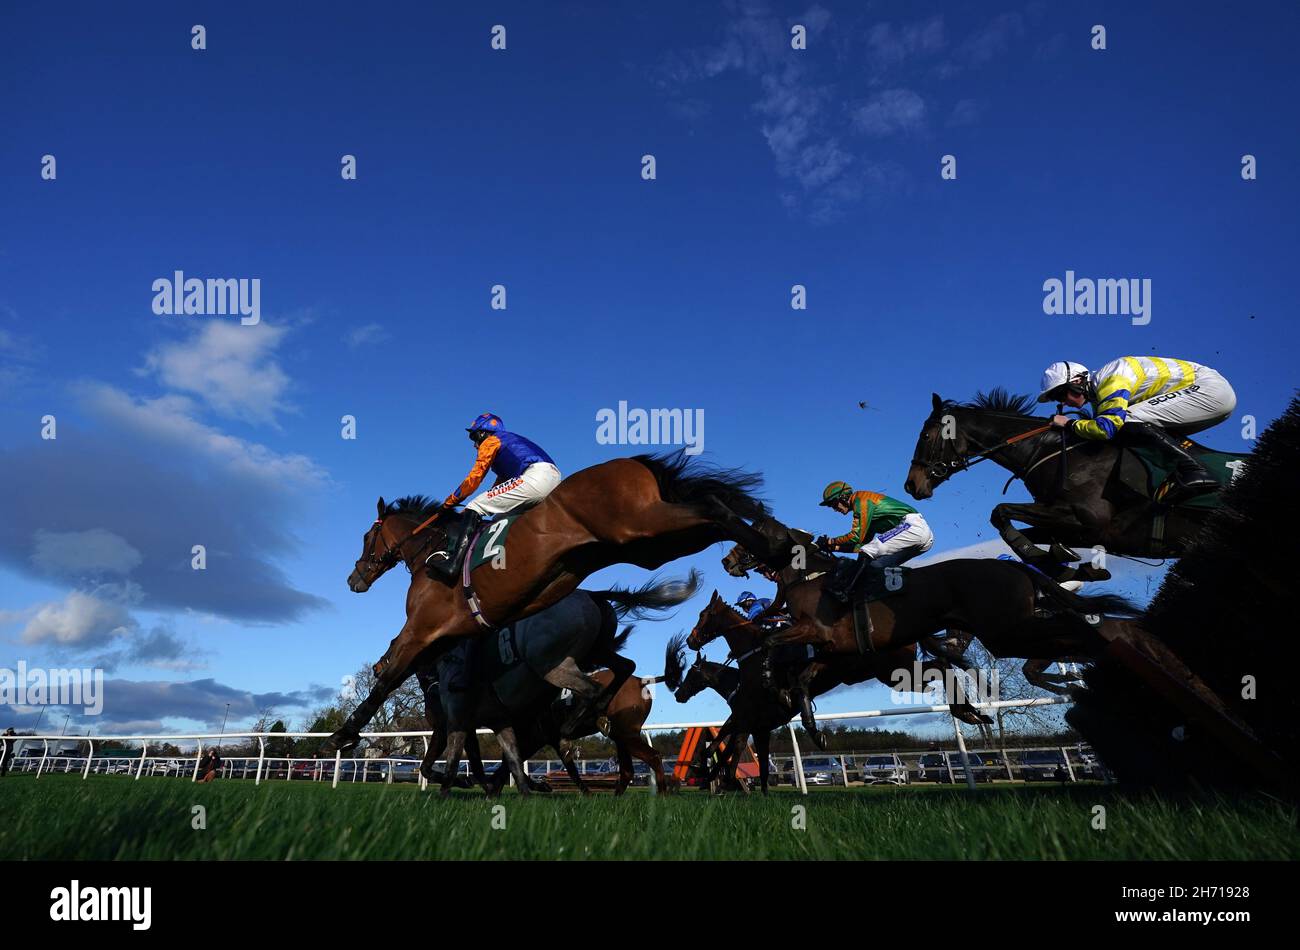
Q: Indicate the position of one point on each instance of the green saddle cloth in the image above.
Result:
(1144, 469)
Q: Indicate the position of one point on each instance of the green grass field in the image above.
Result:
(113, 817)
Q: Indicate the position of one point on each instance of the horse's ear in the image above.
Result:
(936, 401)
(382, 506)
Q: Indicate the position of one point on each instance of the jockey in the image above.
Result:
(1144, 399)
(886, 532)
(525, 474)
(750, 605)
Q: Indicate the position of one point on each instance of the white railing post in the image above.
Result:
(798, 760)
(947, 764)
(45, 751)
(139, 769)
(198, 755)
(424, 782)
(965, 757)
(90, 754)
(1069, 769)
(261, 758)
(844, 772)
(338, 759)
(1006, 761)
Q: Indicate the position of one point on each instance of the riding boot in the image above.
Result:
(840, 584)
(1190, 476)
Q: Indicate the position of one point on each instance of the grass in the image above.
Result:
(113, 817)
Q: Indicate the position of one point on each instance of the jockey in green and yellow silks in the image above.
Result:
(885, 533)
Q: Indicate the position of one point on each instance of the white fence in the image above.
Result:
(340, 765)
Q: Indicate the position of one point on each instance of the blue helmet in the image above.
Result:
(745, 595)
(487, 423)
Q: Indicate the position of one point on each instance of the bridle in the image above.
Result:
(941, 469)
(392, 550)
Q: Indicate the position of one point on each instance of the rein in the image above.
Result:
(941, 470)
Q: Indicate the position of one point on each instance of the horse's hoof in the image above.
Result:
(342, 741)
(818, 738)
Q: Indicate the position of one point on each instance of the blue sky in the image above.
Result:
(522, 167)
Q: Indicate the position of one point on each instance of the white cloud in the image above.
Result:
(365, 334)
(84, 552)
(230, 367)
(168, 420)
(890, 111)
(80, 620)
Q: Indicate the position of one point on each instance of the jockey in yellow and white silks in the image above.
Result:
(1144, 398)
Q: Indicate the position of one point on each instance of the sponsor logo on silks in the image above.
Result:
(134, 904)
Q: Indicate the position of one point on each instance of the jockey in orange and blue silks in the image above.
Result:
(525, 474)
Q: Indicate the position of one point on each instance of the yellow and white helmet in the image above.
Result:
(1057, 375)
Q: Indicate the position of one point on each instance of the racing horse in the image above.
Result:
(820, 673)
(1080, 494)
(645, 510)
(512, 692)
(997, 601)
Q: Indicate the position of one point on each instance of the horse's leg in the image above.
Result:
(1044, 518)
(586, 690)
(565, 751)
(510, 753)
(455, 747)
(476, 760)
(762, 743)
(624, 767)
(637, 744)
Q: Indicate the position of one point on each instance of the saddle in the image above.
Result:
(1148, 471)
(449, 553)
(867, 583)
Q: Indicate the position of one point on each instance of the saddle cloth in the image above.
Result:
(516, 657)
(1144, 469)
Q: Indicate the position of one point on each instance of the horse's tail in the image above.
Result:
(684, 480)
(638, 603)
(1110, 605)
(620, 641)
(674, 668)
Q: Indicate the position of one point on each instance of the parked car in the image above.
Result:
(1043, 765)
(405, 768)
(822, 770)
(884, 768)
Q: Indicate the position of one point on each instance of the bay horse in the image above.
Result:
(995, 600)
(645, 510)
(1079, 497)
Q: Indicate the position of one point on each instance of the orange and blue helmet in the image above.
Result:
(487, 423)
(835, 491)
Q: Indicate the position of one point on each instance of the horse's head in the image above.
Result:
(939, 450)
(739, 562)
(716, 618)
(683, 681)
(379, 551)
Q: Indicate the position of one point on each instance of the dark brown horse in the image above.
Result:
(995, 600)
(646, 510)
(746, 639)
(1079, 496)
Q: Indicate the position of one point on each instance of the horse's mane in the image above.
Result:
(421, 506)
(674, 667)
(998, 399)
